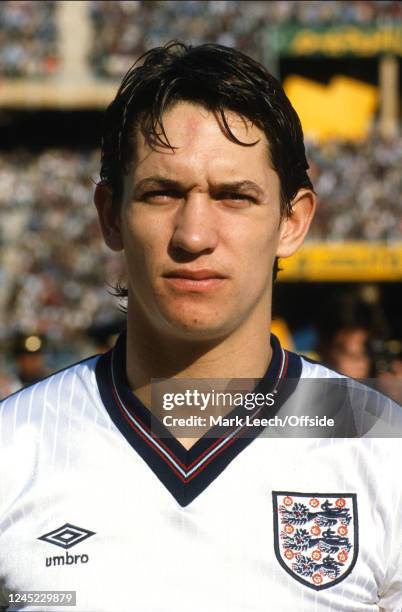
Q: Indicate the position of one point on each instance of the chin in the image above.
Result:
(197, 327)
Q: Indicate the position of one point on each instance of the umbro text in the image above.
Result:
(66, 560)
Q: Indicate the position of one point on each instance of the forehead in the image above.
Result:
(199, 141)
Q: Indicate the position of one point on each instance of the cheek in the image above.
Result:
(145, 239)
(258, 250)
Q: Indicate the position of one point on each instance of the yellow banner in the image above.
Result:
(344, 261)
(345, 40)
(321, 108)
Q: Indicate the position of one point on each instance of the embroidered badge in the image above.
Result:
(316, 536)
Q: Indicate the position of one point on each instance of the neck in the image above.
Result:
(244, 353)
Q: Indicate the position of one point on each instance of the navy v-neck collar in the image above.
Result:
(186, 473)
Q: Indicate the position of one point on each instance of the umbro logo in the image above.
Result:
(66, 536)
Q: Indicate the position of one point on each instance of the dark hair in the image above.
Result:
(218, 78)
(349, 311)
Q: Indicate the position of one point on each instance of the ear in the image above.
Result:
(296, 225)
(109, 218)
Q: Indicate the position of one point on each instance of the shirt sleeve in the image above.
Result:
(391, 592)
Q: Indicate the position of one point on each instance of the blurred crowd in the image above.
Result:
(351, 335)
(359, 187)
(56, 275)
(53, 262)
(28, 46)
(124, 30)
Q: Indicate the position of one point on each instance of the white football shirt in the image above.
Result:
(92, 502)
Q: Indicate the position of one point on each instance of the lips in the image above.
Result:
(194, 281)
(203, 274)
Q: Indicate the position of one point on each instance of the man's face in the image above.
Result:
(349, 354)
(200, 227)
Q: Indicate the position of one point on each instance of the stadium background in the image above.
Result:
(60, 65)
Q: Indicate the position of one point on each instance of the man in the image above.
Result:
(348, 329)
(204, 186)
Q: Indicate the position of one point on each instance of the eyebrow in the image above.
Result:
(161, 182)
(155, 181)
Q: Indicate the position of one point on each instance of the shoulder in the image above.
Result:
(27, 405)
(373, 413)
(315, 369)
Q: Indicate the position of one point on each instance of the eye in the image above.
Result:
(236, 200)
(160, 196)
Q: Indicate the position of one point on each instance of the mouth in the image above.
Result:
(194, 280)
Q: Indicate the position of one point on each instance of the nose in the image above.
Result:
(195, 228)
